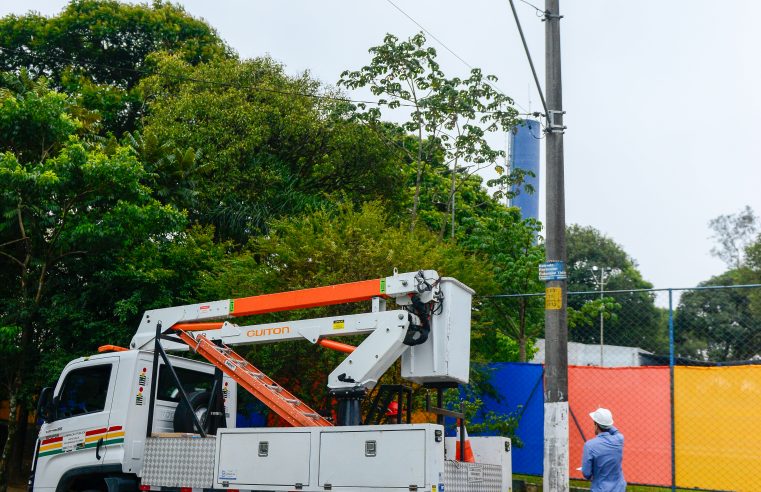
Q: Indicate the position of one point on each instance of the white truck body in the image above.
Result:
(351, 459)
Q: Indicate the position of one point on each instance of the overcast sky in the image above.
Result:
(662, 99)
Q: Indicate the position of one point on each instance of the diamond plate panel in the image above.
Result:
(472, 477)
(179, 462)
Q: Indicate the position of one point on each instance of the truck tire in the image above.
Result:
(183, 419)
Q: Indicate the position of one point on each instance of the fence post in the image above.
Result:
(671, 384)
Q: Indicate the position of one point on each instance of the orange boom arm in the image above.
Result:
(307, 298)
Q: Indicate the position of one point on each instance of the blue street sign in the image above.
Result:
(552, 270)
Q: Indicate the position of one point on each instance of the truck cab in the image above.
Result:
(96, 418)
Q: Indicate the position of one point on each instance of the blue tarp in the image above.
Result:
(521, 390)
(250, 415)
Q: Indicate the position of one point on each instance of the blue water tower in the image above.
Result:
(524, 154)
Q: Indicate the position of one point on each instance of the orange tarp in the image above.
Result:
(639, 399)
(718, 427)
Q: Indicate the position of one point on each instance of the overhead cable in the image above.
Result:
(530, 61)
(184, 78)
(496, 88)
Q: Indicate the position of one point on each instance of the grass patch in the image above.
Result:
(532, 479)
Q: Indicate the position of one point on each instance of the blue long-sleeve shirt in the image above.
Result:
(602, 460)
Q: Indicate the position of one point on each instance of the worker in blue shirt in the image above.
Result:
(604, 454)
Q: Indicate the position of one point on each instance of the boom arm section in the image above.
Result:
(431, 334)
(365, 365)
(398, 287)
(362, 368)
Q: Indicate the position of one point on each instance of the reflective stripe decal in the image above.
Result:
(111, 435)
(52, 440)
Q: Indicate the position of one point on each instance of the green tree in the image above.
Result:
(725, 324)
(734, 233)
(718, 325)
(637, 321)
(269, 146)
(34, 120)
(98, 49)
(753, 255)
(474, 109)
(173, 174)
(752, 274)
(62, 215)
(513, 251)
(55, 212)
(454, 115)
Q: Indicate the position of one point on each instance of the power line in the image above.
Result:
(625, 291)
(431, 34)
(495, 87)
(185, 78)
(539, 12)
(528, 55)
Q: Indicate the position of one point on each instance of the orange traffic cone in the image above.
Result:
(468, 453)
(392, 410)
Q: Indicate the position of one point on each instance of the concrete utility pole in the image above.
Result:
(556, 464)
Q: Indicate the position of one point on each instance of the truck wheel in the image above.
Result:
(183, 419)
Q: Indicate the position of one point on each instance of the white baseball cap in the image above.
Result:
(603, 417)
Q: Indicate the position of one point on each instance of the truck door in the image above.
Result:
(74, 441)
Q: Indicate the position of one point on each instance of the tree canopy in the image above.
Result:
(105, 40)
(71, 213)
(631, 318)
(456, 115)
(734, 233)
(717, 325)
(269, 148)
(718, 322)
(98, 51)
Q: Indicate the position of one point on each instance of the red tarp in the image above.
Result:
(639, 400)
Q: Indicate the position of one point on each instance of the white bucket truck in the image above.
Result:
(137, 418)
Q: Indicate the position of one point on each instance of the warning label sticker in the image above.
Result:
(72, 441)
(475, 474)
(228, 474)
(553, 298)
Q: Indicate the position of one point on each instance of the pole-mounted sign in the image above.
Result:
(552, 270)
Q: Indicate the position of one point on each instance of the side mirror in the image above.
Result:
(46, 405)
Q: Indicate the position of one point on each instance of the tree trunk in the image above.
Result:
(23, 368)
(443, 228)
(522, 349)
(17, 462)
(10, 440)
(522, 330)
(452, 190)
(418, 178)
(10, 462)
(450, 213)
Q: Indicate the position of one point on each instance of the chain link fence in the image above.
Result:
(679, 368)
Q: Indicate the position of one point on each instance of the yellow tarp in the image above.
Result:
(718, 427)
